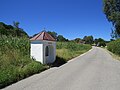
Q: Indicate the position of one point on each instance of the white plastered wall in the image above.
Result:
(38, 51)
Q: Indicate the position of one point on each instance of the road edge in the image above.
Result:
(80, 55)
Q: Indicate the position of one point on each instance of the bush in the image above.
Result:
(101, 44)
(32, 68)
(114, 47)
(8, 76)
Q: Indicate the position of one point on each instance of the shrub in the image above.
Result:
(114, 47)
(102, 43)
(32, 68)
(8, 76)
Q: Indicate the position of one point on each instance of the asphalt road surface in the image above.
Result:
(96, 70)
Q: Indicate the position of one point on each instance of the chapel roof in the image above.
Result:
(42, 36)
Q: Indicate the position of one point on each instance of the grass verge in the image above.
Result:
(68, 50)
(114, 48)
(15, 61)
(116, 57)
(12, 74)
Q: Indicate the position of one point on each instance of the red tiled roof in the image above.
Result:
(43, 36)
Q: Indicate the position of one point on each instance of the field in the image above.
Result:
(68, 50)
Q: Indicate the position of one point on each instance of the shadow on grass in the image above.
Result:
(58, 62)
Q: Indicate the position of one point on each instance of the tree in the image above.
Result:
(96, 41)
(77, 40)
(16, 24)
(112, 11)
(53, 34)
(19, 31)
(14, 31)
(60, 38)
(100, 42)
(88, 39)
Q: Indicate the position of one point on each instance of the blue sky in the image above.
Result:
(70, 18)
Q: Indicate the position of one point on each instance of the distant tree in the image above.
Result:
(35, 35)
(84, 38)
(112, 40)
(61, 38)
(19, 31)
(14, 31)
(16, 24)
(53, 34)
(100, 42)
(88, 39)
(112, 11)
(96, 41)
(78, 40)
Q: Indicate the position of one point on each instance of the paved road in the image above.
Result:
(95, 70)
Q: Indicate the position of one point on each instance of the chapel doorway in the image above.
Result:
(49, 54)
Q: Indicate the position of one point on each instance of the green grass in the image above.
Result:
(15, 61)
(68, 50)
(114, 47)
(116, 57)
(68, 54)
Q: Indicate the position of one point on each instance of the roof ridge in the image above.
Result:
(43, 35)
(38, 35)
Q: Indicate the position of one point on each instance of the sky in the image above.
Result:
(70, 18)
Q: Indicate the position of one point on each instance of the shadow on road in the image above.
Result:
(58, 62)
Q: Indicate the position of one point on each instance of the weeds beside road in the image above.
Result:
(114, 47)
(15, 61)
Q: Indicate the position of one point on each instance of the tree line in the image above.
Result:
(12, 30)
(85, 40)
(15, 31)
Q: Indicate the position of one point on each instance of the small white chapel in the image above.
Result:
(43, 48)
